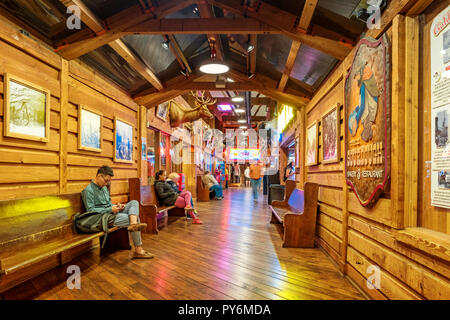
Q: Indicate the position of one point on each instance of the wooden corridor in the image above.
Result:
(235, 254)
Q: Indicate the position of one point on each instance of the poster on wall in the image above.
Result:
(367, 108)
(440, 109)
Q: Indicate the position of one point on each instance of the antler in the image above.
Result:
(202, 100)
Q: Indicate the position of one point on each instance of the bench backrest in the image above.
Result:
(305, 200)
(143, 194)
(37, 218)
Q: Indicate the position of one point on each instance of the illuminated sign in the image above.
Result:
(224, 107)
(244, 154)
(285, 116)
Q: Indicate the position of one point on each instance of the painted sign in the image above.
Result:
(368, 112)
(244, 154)
(440, 109)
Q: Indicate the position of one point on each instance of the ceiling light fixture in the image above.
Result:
(165, 44)
(237, 99)
(242, 121)
(239, 110)
(250, 47)
(250, 75)
(213, 66)
(224, 107)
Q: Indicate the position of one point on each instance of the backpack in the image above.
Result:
(93, 222)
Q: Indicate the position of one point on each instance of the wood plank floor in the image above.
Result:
(235, 254)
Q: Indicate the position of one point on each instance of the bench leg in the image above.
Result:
(296, 234)
(150, 217)
(117, 240)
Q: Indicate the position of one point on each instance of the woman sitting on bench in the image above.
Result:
(169, 197)
(173, 179)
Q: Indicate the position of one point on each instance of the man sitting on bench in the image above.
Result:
(96, 198)
(212, 185)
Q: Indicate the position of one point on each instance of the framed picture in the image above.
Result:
(312, 135)
(90, 124)
(331, 135)
(27, 110)
(162, 111)
(123, 141)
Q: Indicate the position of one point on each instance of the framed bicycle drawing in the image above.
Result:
(27, 109)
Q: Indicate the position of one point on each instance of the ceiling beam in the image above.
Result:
(252, 55)
(305, 20)
(255, 101)
(203, 26)
(136, 63)
(83, 41)
(178, 52)
(205, 10)
(235, 119)
(95, 24)
(286, 22)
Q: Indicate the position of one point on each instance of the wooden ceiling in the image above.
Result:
(296, 44)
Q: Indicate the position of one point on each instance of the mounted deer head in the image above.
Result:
(179, 115)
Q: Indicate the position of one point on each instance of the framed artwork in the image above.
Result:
(331, 135)
(162, 110)
(123, 141)
(312, 135)
(27, 110)
(90, 124)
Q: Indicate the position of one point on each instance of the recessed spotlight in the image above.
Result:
(239, 110)
(242, 121)
(237, 99)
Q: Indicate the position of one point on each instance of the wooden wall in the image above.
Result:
(29, 168)
(388, 235)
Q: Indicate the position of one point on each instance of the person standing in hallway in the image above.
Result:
(237, 173)
(289, 172)
(255, 179)
(247, 175)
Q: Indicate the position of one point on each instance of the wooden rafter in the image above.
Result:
(83, 42)
(95, 24)
(252, 55)
(286, 22)
(305, 20)
(179, 53)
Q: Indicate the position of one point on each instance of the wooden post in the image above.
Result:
(142, 164)
(345, 189)
(398, 122)
(411, 120)
(64, 101)
(302, 135)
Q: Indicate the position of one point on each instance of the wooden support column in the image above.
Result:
(345, 188)
(142, 164)
(302, 135)
(411, 120)
(398, 122)
(64, 101)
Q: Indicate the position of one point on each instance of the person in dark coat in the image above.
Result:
(169, 197)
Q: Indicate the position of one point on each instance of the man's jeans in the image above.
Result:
(255, 187)
(218, 190)
(123, 220)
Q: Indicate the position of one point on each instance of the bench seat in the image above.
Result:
(150, 210)
(36, 235)
(297, 213)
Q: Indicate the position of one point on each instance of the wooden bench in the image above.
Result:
(150, 210)
(203, 194)
(297, 213)
(36, 235)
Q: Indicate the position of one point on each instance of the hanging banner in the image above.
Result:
(368, 125)
(440, 109)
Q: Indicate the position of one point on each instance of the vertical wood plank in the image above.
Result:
(398, 122)
(411, 120)
(63, 126)
(344, 187)
(302, 135)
